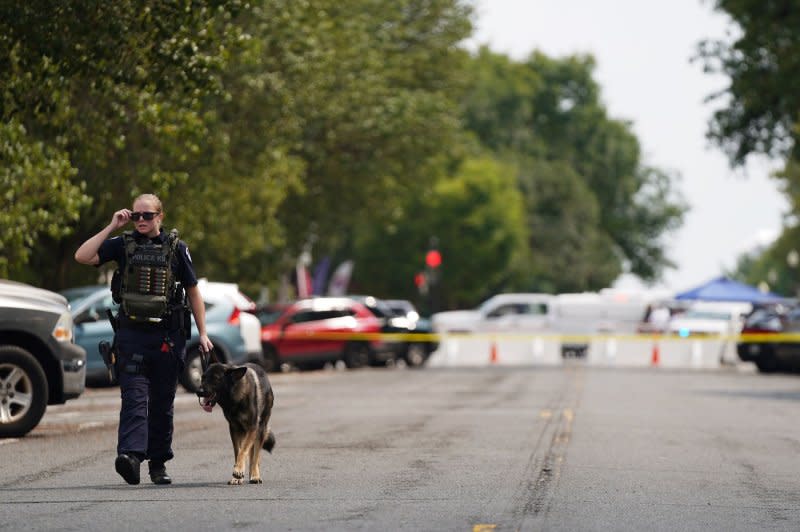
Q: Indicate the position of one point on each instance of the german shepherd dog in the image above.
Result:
(246, 398)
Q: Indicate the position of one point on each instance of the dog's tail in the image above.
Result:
(269, 443)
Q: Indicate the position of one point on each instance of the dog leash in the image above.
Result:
(206, 357)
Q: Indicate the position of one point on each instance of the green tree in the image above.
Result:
(546, 115)
(569, 251)
(775, 266)
(476, 216)
(383, 109)
(114, 92)
(759, 112)
(758, 116)
(246, 118)
(38, 199)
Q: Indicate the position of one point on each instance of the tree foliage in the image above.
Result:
(383, 106)
(38, 198)
(581, 171)
(360, 126)
(115, 91)
(475, 218)
(759, 115)
(762, 62)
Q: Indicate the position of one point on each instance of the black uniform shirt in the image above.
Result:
(114, 249)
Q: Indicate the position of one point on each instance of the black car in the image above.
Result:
(763, 341)
(414, 338)
(40, 364)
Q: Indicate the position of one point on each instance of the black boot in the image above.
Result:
(158, 473)
(128, 468)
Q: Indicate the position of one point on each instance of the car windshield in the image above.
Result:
(74, 295)
(707, 315)
(760, 315)
(400, 308)
(382, 310)
(267, 316)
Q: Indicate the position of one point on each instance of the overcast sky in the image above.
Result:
(643, 50)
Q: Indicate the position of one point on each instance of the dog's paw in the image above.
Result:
(237, 477)
(256, 481)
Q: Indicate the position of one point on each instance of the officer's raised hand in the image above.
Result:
(87, 253)
(120, 218)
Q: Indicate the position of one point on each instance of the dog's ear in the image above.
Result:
(236, 373)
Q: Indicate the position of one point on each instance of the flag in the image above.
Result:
(321, 276)
(340, 279)
(303, 281)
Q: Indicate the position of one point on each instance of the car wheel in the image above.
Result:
(416, 355)
(313, 365)
(766, 364)
(272, 361)
(356, 355)
(23, 391)
(192, 370)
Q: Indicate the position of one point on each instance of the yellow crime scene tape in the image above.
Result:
(642, 337)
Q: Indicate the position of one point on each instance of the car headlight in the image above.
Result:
(62, 332)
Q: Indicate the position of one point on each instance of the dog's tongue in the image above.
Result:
(207, 406)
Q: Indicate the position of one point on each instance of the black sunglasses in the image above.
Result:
(145, 215)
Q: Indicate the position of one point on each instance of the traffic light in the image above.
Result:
(433, 259)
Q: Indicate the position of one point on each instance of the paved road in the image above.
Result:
(494, 448)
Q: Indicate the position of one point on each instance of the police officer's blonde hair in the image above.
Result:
(152, 198)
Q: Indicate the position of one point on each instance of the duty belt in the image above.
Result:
(171, 322)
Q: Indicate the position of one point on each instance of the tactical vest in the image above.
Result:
(148, 290)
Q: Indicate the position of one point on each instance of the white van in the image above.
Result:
(574, 316)
(501, 313)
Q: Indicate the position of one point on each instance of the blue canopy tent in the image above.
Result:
(724, 289)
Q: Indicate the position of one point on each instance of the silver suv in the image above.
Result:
(39, 361)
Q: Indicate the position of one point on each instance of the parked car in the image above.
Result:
(230, 329)
(312, 332)
(269, 312)
(248, 323)
(710, 318)
(760, 342)
(401, 318)
(40, 364)
(88, 305)
(403, 307)
(499, 313)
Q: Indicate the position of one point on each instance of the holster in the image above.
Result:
(108, 350)
(135, 366)
(109, 358)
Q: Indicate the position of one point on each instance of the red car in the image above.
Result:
(311, 332)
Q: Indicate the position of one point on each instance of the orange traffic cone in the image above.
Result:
(655, 360)
(493, 353)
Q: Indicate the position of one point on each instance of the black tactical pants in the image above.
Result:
(150, 360)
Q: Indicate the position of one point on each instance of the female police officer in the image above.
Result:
(155, 269)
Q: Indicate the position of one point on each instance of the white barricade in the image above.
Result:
(603, 350)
